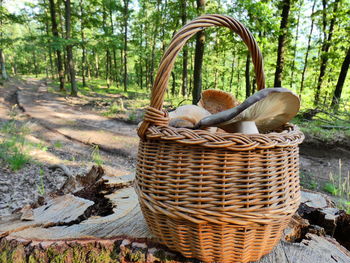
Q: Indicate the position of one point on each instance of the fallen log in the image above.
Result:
(100, 221)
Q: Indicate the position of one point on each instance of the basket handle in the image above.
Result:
(154, 113)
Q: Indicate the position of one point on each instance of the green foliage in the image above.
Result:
(95, 155)
(41, 185)
(339, 186)
(98, 28)
(12, 145)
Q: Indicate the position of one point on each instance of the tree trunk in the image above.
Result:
(281, 43)
(97, 64)
(307, 50)
(231, 74)
(56, 36)
(3, 65)
(154, 40)
(295, 45)
(114, 69)
(74, 91)
(49, 42)
(126, 17)
(247, 79)
(185, 52)
(325, 47)
(83, 57)
(173, 87)
(198, 58)
(341, 80)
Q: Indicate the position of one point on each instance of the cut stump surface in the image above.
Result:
(101, 221)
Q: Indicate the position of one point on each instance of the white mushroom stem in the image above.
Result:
(246, 127)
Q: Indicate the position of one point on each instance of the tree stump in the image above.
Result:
(97, 218)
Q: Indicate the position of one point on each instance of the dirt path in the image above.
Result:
(68, 132)
(55, 147)
(54, 112)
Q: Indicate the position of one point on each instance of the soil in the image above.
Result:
(69, 128)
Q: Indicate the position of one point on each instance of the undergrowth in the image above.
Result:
(12, 144)
(339, 186)
(14, 148)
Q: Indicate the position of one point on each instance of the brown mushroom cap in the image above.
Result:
(268, 108)
(216, 101)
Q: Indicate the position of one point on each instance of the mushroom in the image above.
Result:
(187, 116)
(216, 101)
(266, 110)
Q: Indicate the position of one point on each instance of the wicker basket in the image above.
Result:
(215, 196)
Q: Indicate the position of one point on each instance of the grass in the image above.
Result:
(12, 142)
(96, 156)
(14, 148)
(41, 185)
(339, 186)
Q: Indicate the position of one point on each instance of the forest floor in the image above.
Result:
(60, 135)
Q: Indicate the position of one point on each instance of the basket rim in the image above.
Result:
(287, 136)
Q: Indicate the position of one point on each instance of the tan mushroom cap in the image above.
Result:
(268, 108)
(216, 101)
(187, 116)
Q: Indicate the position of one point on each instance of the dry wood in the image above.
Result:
(64, 229)
(123, 236)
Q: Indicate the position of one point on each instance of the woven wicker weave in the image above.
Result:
(217, 197)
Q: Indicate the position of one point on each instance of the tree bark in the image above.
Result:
(325, 47)
(307, 50)
(295, 45)
(70, 59)
(185, 52)
(198, 58)
(3, 65)
(56, 36)
(341, 80)
(247, 79)
(153, 52)
(97, 64)
(126, 17)
(83, 55)
(49, 42)
(281, 43)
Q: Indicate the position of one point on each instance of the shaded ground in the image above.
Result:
(68, 128)
(36, 178)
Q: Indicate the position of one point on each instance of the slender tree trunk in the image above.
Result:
(341, 80)
(231, 74)
(247, 79)
(173, 87)
(307, 50)
(97, 64)
(58, 52)
(238, 76)
(295, 45)
(114, 53)
(108, 68)
(185, 52)
(325, 47)
(2, 55)
(3, 65)
(198, 58)
(155, 33)
(35, 64)
(83, 57)
(281, 43)
(126, 17)
(70, 59)
(49, 42)
(64, 51)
